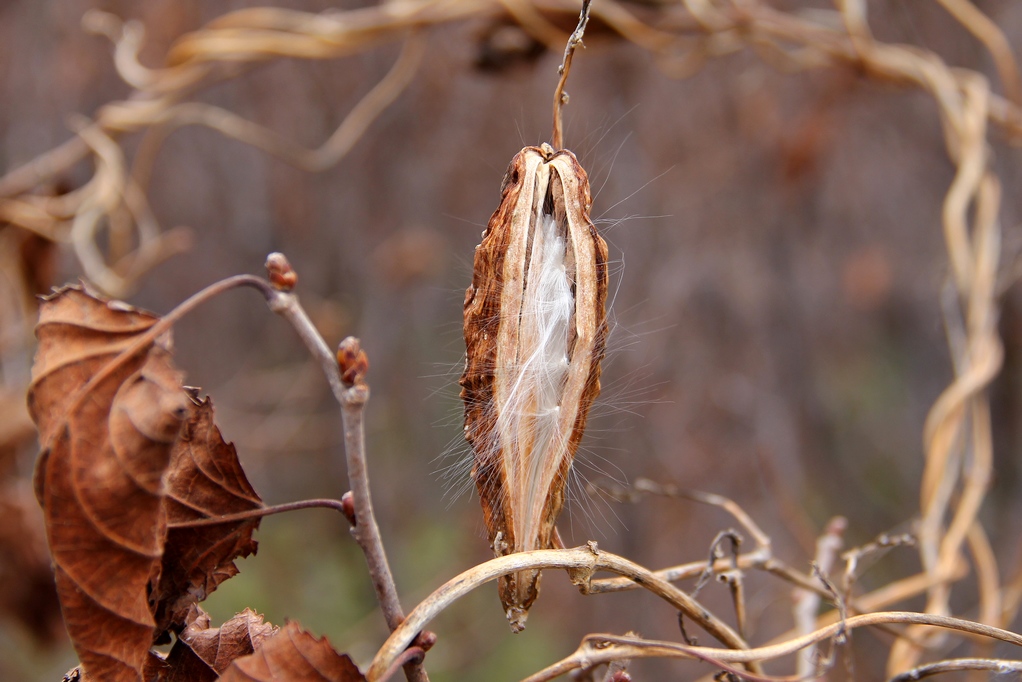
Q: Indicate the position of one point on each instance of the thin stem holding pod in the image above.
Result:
(560, 96)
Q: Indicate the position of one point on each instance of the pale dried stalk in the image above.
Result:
(881, 598)
(988, 581)
(993, 665)
(597, 648)
(807, 602)
(991, 35)
(581, 563)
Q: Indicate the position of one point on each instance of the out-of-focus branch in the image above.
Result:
(680, 36)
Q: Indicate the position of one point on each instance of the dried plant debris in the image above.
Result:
(293, 655)
(203, 652)
(204, 480)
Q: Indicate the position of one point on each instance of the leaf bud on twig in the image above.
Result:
(352, 361)
(348, 508)
(282, 276)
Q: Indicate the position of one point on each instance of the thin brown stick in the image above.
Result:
(352, 400)
(365, 531)
(325, 503)
(413, 655)
(560, 96)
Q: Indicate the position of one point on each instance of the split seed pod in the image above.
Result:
(535, 332)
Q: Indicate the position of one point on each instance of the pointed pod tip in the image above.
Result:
(516, 617)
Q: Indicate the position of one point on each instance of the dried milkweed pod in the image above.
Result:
(535, 332)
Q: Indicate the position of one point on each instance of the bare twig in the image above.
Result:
(365, 531)
(731, 576)
(560, 96)
(876, 547)
(412, 656)
(649, 487)
(337, 505)
(717, 552)
(352, 398)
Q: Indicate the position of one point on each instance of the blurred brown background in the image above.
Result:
(777, 321)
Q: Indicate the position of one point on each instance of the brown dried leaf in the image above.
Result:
(78, 334)
(116, 468)
(107, 428)
(201, 653)
(293, 655)
(205, 480)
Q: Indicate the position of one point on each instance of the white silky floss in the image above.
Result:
(528, 419)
